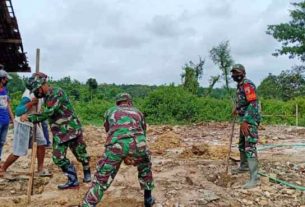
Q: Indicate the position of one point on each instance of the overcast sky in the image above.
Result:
(148, 41)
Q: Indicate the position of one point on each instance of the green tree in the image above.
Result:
(287, 85)
(75, 94)
(213, 80)
(292, 83)
(221, 56)
(137, 90)
(73, 88)
(291, 34)
(92, 84)
(15, 84)
(191, 74)
(269, 87)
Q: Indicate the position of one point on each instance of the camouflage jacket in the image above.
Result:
(123, 122)
(62, 118)
(247, 102)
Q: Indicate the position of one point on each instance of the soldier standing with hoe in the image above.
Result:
(248, 111)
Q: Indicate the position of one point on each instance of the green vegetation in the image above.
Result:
(287, 85)
(167, 104)
(191, 75)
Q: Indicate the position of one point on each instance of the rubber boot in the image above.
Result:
(149, 201)
(87, 173)
(253, 168)
(72, 178)
(243, 167)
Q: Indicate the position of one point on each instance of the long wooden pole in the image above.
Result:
(230, 144)
(34, 143)
(37, 60)
(297, 115)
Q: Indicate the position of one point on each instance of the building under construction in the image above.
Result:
(12, 55)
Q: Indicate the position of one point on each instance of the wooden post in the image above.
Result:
(33, 143)
(297, 115)
(37, 60)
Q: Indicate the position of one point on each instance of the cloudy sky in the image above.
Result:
(148, 41)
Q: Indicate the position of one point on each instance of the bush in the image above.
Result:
(214, 109)
(170, 104)
(92, 112)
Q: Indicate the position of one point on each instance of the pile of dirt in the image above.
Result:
(166, 141)
(207, 151)
(196, 151)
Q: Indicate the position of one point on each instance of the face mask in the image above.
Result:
(38, 94)
(237, 78)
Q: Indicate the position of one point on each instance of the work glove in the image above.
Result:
(244, 128)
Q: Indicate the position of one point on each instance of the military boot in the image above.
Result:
(253, 167)
(243, 167)
(87, 173)
(72, 178)
(149, 201)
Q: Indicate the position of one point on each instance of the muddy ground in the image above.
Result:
(189, 165)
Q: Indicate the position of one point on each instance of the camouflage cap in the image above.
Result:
(238, 68)
(123, 97)
(36, 81)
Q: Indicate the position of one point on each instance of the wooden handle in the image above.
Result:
(32, 169)
(230, 144)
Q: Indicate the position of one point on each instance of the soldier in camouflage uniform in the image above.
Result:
(65, 127)
(248, 111)
(126, 141)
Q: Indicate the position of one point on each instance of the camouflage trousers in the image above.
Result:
(247, 144)
(76, 145)
(108, 166)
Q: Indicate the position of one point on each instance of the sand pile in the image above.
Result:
(165, 141)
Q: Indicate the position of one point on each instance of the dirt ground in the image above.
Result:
(189, 165)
